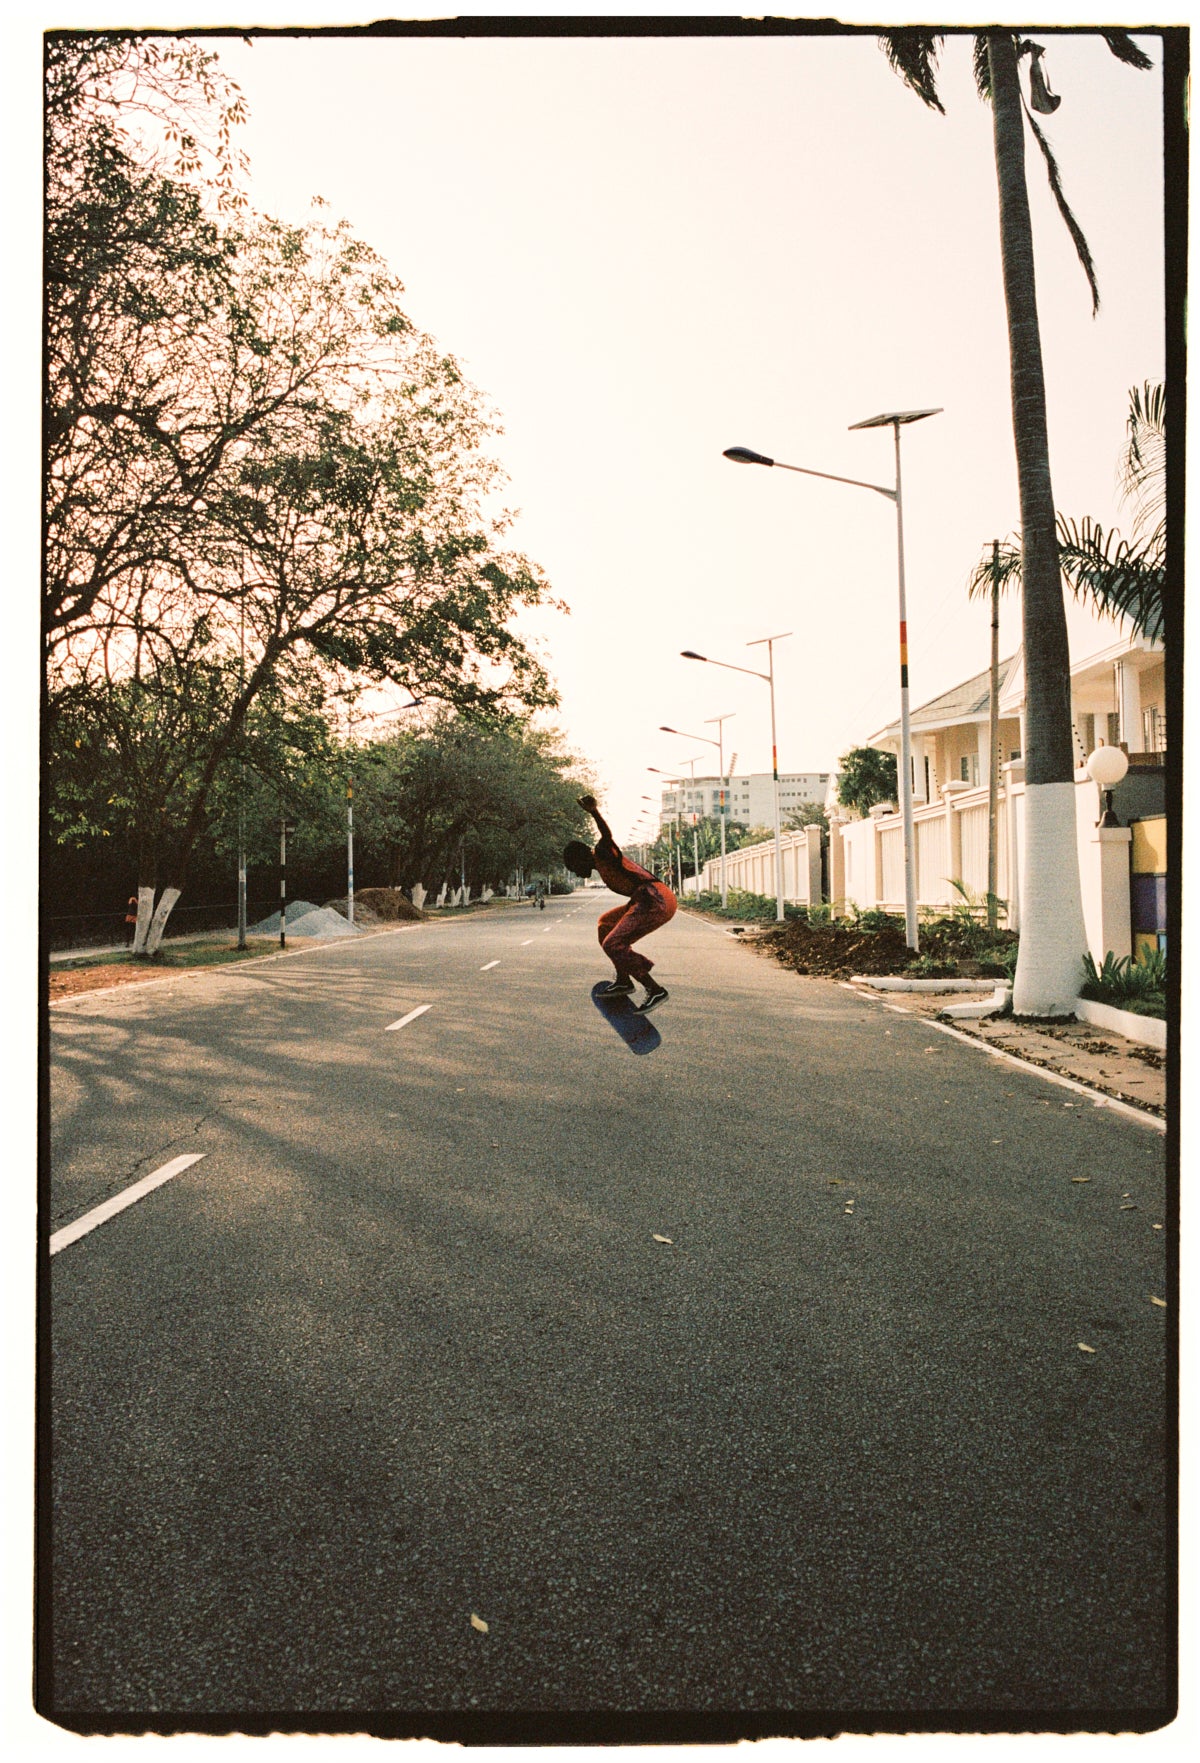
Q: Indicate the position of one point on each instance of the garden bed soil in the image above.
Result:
(834, 951)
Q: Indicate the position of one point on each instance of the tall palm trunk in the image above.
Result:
(1053, 939)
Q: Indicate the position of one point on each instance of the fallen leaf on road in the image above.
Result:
(1084, 1348)
(997, 1141)
(659, 1239)
(1129, 1208)
(1081, 1178)
(1068, 1104)
(1161, 1302)
(479, 1623)
(1156, 1227)
(835, 1181)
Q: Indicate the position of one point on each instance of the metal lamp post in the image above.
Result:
(371, 716)
(1106, 767)
(678, 782)
(719, 743)
(769, 676)
(895, 420)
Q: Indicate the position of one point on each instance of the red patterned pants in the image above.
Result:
(622, 926)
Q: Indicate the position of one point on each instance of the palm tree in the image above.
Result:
(1120, 577)
(1049, 966)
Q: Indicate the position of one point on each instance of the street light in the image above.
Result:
(719, 744)
(1106, 767)
(371, 716)
(769, 676)
(678, 842)
(895, 420)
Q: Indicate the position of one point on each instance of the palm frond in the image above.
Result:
(1142, 473)
(1118, 577)
(981, 67)
(1072, 225)
(1126, 50)
(979, 582)
(913, 55)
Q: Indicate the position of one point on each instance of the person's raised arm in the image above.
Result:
(590, 803)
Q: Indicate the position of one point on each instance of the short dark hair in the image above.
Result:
(578, 858)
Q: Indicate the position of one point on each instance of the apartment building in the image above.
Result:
(750, 798)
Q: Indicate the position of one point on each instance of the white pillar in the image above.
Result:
(1105, 883)
(1129, 706)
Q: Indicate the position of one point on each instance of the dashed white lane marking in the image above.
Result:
(411, 1017)
(70, 1233)
(488, 964)
(527, 942)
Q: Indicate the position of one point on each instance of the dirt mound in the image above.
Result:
(389, 905)
(835, 951)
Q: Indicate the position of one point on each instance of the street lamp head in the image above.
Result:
(691, 655)
(898, 416)
(664, 730)
(744, 456)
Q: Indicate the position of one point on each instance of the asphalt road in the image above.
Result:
(404, 1348)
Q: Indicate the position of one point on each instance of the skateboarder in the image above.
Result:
(651, 903)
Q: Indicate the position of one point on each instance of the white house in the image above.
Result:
(1117, 697)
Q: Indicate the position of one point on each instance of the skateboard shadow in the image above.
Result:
(638, 1032)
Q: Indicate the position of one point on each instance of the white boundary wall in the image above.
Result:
(752, 868)
(867, 857)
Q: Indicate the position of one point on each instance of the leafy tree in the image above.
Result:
(263, 481)
(135, 286)
(811, 814)
(485, 793)
(866, 775)
(1052, 933)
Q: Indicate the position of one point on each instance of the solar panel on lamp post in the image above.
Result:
(895, 420)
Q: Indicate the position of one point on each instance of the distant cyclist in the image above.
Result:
(650, 904)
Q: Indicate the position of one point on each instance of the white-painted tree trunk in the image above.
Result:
(145, 912)
(1053, 938)
(158, 923)
(441, 899)
(418, 896)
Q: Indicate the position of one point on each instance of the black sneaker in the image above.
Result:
(618, 988)
(654, 995)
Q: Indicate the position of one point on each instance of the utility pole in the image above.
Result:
(241, 870)
(285, 827)
(993, 738)
(350, 848)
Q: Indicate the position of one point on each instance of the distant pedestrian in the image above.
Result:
(651, 904)
(131, 921)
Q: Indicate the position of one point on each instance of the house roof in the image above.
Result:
(968, 702)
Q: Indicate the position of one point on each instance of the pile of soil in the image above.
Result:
(834, 950)
(386, 905)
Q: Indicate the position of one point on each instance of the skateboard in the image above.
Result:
(638, 1032)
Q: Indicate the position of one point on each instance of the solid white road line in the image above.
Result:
(70, 1233)
(411, 1017)
(1055, 1077)
(488, 964)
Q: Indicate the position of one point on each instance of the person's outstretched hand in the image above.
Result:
(588, 802)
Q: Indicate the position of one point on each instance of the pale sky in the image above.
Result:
(646, 251)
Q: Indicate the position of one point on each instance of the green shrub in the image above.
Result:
(929, 967)
(753, 908)
(1139, 986)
